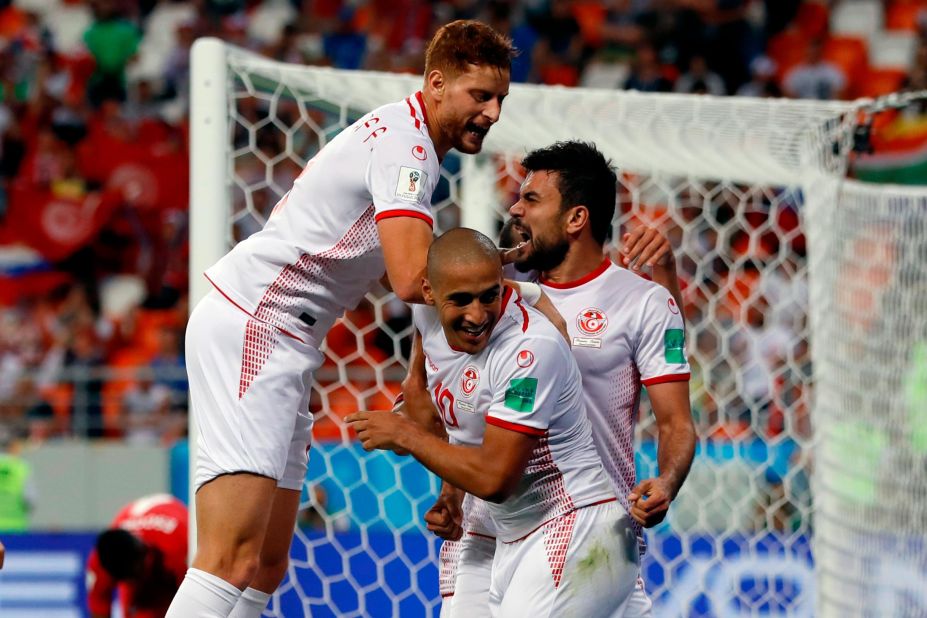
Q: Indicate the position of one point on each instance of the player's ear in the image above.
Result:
(436, 83)
(576, 219)
(427, 293)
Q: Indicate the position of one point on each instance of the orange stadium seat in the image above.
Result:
(812, 19)
(903, 15)
(590, 16)
(878, 82)
(788, 48)
(850, 54)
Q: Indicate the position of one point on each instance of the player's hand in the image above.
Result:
(509, 255)
(379, 430)
(646, 246)
(445, 518)
(649, 502)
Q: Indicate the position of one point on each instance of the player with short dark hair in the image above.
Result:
(509, 394)
(626, 332)
(142, 556)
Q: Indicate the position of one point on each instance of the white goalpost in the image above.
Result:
(806, 301)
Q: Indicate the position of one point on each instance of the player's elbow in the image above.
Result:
(497, 488)
(408, 291)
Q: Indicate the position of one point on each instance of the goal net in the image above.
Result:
(779, 512)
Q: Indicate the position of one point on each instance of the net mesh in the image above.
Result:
(869, 330)
(727, 180)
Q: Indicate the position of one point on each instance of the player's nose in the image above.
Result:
(493, 110)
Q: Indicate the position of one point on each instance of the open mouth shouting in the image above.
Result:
(475, 132)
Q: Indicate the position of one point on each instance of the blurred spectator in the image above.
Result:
(558, 53)
(815, 78)
(113, 42)
(699, 79)
(84, 364)
(169, 367)
(763, 82)
(345, 46)
(17, 490)
(145, 408)
(646, 72)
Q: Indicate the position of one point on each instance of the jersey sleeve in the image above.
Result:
(424, 319)
(661, 348)
(100, 587)
(526, 379)
(402, 175)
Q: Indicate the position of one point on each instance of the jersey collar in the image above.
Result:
(582, 280)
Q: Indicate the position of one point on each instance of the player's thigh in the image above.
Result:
(232, 514)
(248, 385)
(280, 526)
(602, 564)
(474, 576)
(581, 564)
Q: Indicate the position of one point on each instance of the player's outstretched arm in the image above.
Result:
(651, 498)
(405, 242)
(646, 246)
(490, 471)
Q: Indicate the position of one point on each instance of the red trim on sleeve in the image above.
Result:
(584, 279)
(421, 103)
(389, 214)
(674, 377)
(531, 431)
(482, 536)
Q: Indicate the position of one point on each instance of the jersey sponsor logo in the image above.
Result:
(411, 185)
(674, 343)
(673, 307)
(431, 365)
(419, 152)
(592, 321)
(520, 394)
(469, 380)
(525, 358)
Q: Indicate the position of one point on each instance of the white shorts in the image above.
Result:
(584, 563)
(474, 576)
(249, 395)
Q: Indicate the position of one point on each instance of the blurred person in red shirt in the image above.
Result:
(143, 555)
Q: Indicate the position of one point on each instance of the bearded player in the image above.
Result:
(359, 208)
(510, 397)
(626, 332)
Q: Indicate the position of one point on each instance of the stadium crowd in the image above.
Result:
(94, 180)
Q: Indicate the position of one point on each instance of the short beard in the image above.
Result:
(545, 257)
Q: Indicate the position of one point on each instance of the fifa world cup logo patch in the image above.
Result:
(410, 185)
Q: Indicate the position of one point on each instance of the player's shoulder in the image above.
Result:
(526, 328)
(634, 288)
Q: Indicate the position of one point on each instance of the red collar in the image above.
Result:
(578, 282)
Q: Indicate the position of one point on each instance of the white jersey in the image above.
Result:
(320, 252)
(627, 332)
(525, 380)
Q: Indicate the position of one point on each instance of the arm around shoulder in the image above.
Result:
(405, 241)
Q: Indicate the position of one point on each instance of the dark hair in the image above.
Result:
(464, 42)
(585, 177)
(120, 552)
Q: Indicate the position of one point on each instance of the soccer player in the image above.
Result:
(359, 208)
(143, 555)
(510, 397)
(626, 332)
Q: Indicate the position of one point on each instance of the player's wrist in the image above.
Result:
(530, 292)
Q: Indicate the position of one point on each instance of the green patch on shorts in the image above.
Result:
(519, 396)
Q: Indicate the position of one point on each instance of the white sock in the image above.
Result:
(250, 604)
(203, 595)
